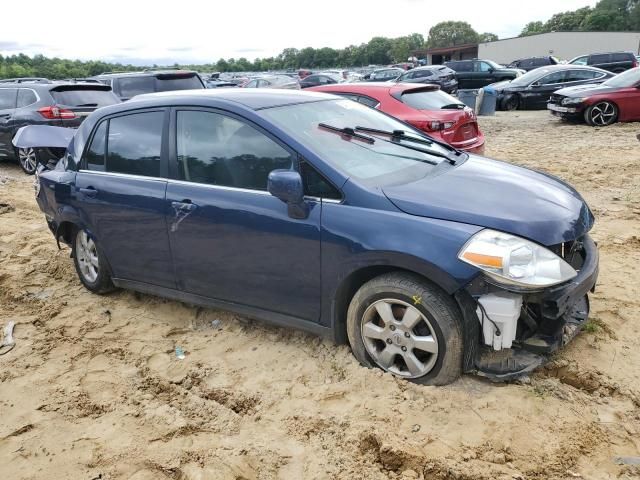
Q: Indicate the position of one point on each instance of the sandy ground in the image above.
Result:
(93, 389)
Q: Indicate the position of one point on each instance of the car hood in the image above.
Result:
(500, 86)
(588, 89)
(500, 196)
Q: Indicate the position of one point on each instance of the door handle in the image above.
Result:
(89, 192)
(184, 206)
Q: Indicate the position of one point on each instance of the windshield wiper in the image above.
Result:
(400, 134)
(349, 132)
(397, 135)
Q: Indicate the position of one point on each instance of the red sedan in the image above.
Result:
(616, 100)
(425, 107)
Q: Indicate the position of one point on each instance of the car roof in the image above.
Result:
(255, 99)
(51, 84)
(143, 73)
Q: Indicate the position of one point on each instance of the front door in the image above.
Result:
(231, 240)
(121, 195)
(7, 109)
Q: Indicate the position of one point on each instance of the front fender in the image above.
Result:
(355, 238)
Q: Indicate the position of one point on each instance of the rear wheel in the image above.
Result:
(28, 159)
(601, 114)
(91, 265)
(406, 326)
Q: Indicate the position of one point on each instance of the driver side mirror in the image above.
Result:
(491, 69)
(287, 186)
(535, 85)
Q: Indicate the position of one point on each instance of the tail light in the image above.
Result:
(56, 113)
(432, 125)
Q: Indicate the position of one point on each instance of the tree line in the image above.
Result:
(606, 15)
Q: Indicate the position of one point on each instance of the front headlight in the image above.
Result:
(515, 261)
(572, 101)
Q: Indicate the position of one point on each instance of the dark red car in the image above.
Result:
(616, 100)
(425, 107)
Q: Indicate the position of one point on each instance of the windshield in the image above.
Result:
(379, 163)
(630, 78)
(431, 100)
(493, 64)
(529, 77)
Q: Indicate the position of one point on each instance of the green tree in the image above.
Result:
(445, 34)
(487, 37)
(532, 28)
(378, 50)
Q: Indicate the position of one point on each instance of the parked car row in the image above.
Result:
(318, 212)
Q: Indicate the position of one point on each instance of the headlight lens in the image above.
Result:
(515, 261)
(572, 101)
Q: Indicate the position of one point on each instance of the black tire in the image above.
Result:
(102, 282)
(601, 114)
(27, 159)
(511, 103)
(437, 308)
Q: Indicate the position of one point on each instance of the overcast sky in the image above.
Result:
(189, 31)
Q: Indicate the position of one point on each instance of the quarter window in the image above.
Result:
(219, 150)
(134, 144)
(26, 97)
(96, 151)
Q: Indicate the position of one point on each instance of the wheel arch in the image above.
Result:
(351, 282)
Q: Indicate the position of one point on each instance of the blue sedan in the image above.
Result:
(316, 212)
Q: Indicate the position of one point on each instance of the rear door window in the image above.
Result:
(134, 144)
(26, 97)
(84, 97)
(216, 149)
(132, 86)
(599, 59)
(368, 101)
(8, 98)
(528, 63)
(580, 75)
(95, 154)
(466, 66)
(539, 62)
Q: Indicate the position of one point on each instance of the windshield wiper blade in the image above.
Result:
(400, 134)
(395, 140)
(349, 132)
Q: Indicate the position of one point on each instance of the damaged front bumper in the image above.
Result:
(548, 319)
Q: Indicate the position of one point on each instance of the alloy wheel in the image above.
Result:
(399, 338)
(603, 113)
(87, 256)
(28, 159)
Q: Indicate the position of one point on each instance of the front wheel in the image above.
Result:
(512, 102)
(28, 159)
(408, 327)
(601, 114)
(91, 265)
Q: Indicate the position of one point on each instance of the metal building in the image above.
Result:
(563, 45)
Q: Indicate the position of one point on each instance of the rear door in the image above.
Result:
(120, 191)
(231, 240)
(601, 60)
(7, 109)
